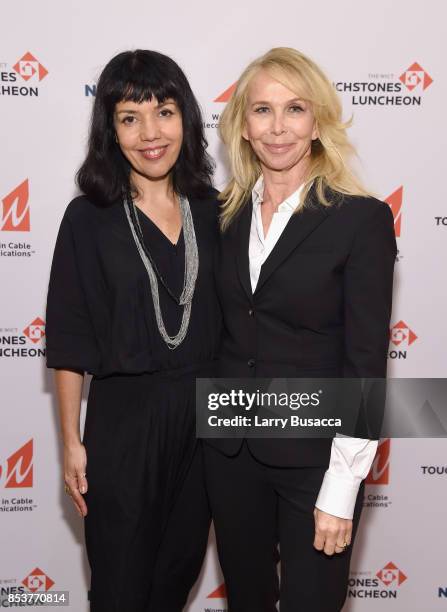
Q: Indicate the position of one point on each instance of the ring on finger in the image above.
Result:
(67, 489)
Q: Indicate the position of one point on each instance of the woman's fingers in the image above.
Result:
(75, 461)
(75, 494)
(82, 482)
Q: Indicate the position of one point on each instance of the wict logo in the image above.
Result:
(219, 593)
(35, 330)
(213, 120)
(380, 469)
(383, 584)
(391, 575)
(15, 216)
(26, 72)
(16, 472)
(415, 76)
(401, 336)
(388, 89)
(28, 67)
(226, 95)
(13, 344)
(37, 580)
(394, 201)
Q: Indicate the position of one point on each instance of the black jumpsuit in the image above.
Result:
(148, 517)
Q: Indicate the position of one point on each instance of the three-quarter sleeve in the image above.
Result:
(71, 342)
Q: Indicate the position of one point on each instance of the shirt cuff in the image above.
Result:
(337, 496)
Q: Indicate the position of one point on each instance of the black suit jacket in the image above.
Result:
(321, 307)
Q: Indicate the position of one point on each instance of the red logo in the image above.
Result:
(401, 334)
(391, 574)
(18, 468)
(28, 66)
(219, 593)
(380, 469)
(395, 202)
(37, 580)
(15, 213)
(226, 95)
(414, 76)
(35, 330)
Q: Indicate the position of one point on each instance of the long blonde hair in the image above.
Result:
(329, 153)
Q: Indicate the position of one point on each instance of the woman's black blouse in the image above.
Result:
(100, 316)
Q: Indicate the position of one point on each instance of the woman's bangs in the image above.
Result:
(298, 85)
(142, 88)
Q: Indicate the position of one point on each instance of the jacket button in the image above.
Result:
(251, 312)
(251, 363)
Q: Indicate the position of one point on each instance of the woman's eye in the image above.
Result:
(166, 112)
(261, 109)
(128, 120)
(296, 108)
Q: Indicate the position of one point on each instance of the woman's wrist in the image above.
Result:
(71, 441)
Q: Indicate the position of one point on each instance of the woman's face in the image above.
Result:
(150, 135)
(279, 125)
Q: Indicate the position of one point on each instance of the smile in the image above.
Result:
(278, 148)
(154, 154)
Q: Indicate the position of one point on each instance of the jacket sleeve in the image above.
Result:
(368, 292)
(368, 288)
(71, 342)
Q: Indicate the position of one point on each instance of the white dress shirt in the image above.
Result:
(351, 458)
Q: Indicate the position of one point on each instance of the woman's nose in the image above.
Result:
(150, 129)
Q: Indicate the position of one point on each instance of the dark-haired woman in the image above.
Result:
(131, 300)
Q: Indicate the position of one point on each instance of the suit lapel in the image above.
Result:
(242, 239)
(299, 227)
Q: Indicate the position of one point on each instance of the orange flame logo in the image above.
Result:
(15, 215)
(219, 593)
(380, 469)
(395, 202)
(226, 95)
(19, 468)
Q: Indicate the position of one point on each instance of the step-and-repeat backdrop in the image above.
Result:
(386, 62)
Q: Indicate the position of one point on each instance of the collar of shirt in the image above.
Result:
(289, 204)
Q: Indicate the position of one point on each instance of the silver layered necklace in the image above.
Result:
(191, 268)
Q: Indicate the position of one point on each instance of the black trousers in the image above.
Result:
(148, 513)
(255, 507)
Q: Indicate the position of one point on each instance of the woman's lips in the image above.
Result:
(154, 153)
(278, 148)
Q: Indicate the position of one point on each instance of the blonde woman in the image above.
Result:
(305, 280)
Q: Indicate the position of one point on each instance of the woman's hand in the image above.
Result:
(75, 464)
(331, 532)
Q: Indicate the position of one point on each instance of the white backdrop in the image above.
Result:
(387, 59)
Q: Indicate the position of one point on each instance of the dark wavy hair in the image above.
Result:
(138, 76)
